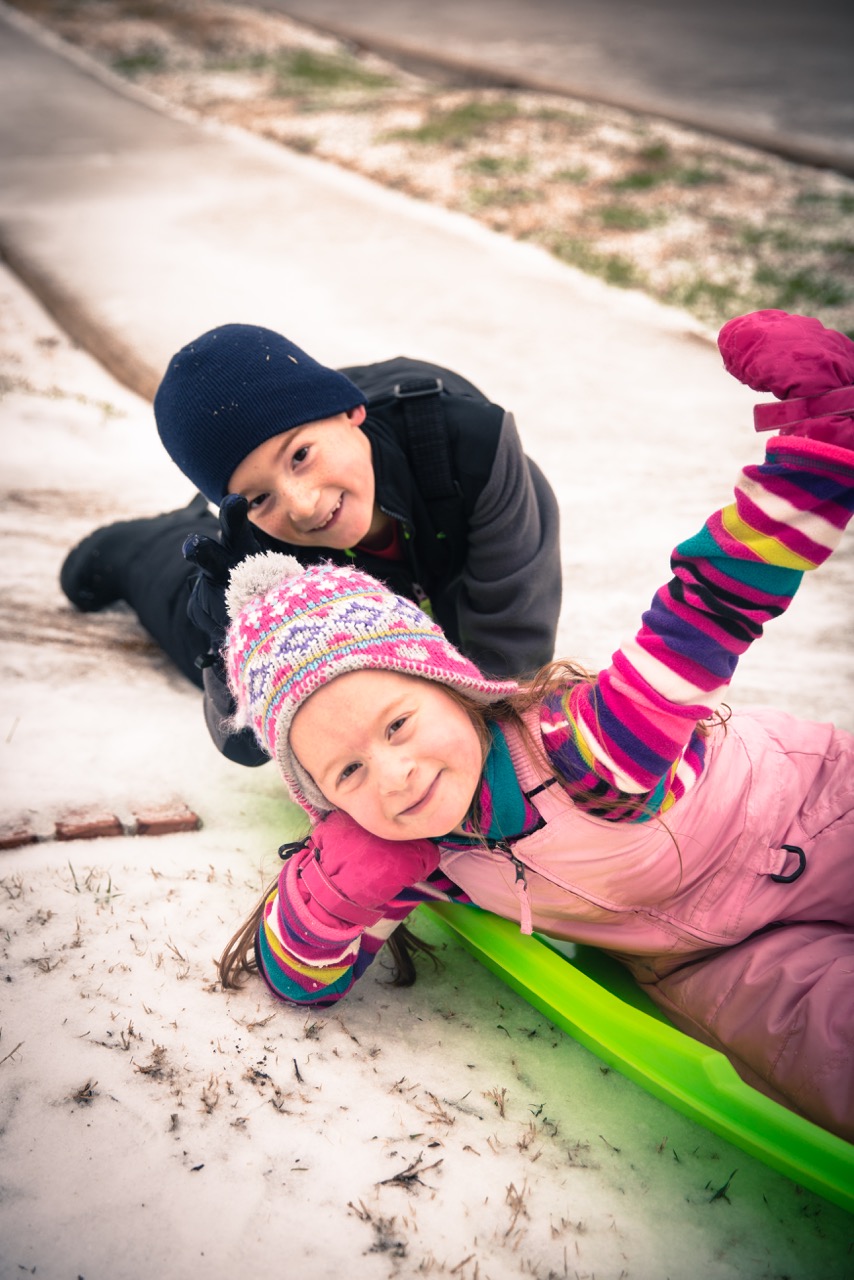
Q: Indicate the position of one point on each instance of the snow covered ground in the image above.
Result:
(152, 1125)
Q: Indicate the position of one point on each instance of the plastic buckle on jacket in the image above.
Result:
(412, 388)
(799, 869)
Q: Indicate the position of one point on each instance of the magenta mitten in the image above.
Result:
(353, 874)
(807, 366)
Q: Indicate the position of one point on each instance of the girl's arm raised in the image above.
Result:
(630, 737)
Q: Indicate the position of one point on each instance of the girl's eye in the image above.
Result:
(395, 725)
(347, 772)
(299, 455)
(257, 501)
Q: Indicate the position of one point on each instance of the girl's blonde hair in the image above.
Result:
(239, 959)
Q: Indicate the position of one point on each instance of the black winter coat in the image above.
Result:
(485, 560)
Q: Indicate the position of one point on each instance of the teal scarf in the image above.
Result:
(501, 810)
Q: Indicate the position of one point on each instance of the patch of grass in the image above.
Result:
(304, 71)
(576, 121)
(498, 166)
(790, 292)
(625, 217)
(613, 268)
(652, 167)
(814, 197)
(697, 176)
(777, 238)
(655, 153)
(646, 179)
(458, 125)
(741, 164)
(709, 299)
(576, 175)
(640, 180)
(243, 62)
(303, 144)
(503, 195)
(145, 61)
(752, 237)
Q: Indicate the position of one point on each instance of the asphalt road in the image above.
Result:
(774, 75)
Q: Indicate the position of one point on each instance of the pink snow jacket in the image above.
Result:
(686, 901)
(704, 876)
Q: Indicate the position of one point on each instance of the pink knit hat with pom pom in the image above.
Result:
(294, 629)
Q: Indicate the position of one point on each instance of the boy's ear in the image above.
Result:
(357, 415)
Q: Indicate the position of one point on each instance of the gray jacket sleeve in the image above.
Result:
(510, 595)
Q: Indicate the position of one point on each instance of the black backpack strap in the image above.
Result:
(427, 436)
(379, 379)
(420, 389)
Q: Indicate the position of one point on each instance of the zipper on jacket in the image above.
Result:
(526, 923)
(395, 515)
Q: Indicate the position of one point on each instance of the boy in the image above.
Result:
(401, 468)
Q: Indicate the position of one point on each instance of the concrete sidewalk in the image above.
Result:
(146, 229)
(140, 230)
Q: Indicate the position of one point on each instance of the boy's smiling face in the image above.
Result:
(314, 485)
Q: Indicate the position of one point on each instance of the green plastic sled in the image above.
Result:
(593, 998)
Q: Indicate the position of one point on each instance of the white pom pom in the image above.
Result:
(256, 575)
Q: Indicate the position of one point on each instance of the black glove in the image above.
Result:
(215, 560)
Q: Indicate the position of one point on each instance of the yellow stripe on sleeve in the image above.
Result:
(331, 973)
(769, 549)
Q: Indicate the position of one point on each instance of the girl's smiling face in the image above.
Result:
(395, 752)
(313, 486)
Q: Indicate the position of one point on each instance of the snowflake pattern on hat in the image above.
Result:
(295, 629)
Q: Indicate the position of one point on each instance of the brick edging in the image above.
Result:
(95, 823)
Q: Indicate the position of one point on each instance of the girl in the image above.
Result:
(711, 853)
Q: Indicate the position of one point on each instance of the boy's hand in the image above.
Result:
(215, 560)
(349, 865)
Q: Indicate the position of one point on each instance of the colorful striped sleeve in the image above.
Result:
(307, 957)
(629, 738)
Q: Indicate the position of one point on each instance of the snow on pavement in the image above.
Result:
(151, 1124)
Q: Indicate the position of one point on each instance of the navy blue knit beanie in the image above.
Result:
(232, 389)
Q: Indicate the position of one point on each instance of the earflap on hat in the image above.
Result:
(296, 629)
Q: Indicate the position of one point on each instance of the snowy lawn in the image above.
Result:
(152, 1125)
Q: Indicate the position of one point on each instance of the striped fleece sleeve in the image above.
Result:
(629, 737)
(307, 956)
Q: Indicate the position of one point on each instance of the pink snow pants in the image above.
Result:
(780, 1004)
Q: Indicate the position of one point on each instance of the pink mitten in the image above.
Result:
(353, 874)
(801, 362)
